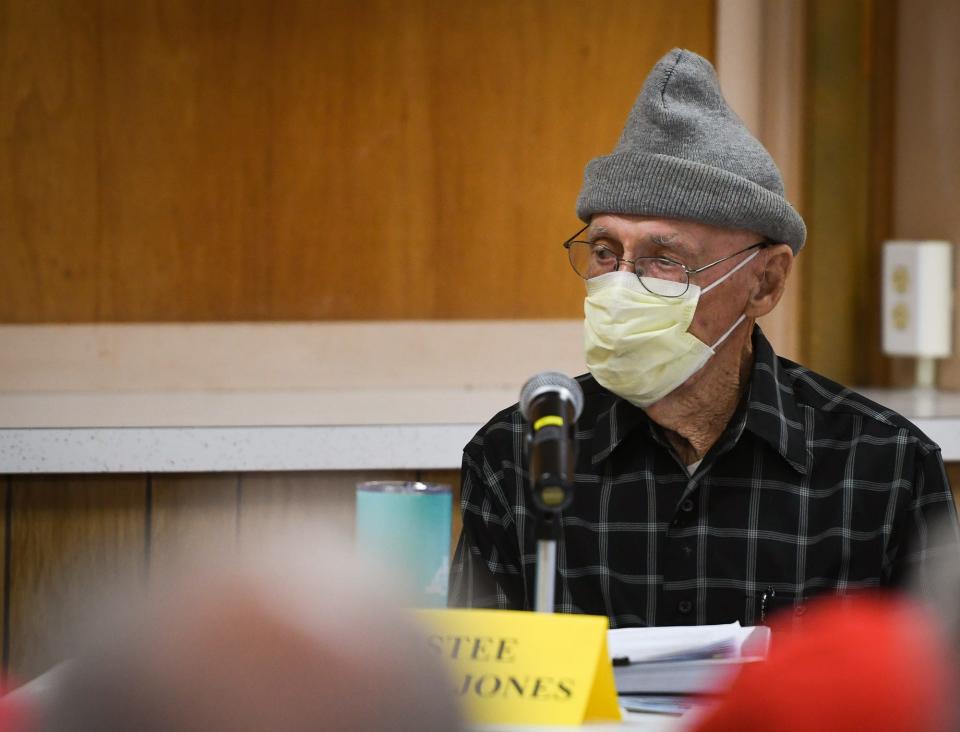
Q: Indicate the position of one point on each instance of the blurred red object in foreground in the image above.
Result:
(15, 715)
(867, 663)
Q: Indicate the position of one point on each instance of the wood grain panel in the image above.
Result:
(190, 516)
(836, 192)
(927, 166)
(847, 193)
(50, 134)
(71, 536)
(883, 59)
(953, 475)
(272, 504)
(345, 159)
(783, 52)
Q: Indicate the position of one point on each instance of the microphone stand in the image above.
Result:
(547, 532)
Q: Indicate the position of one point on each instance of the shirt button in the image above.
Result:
(687, 506)
(684, 607)
(687, 550)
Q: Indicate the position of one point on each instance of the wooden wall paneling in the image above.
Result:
(760, 59)
(927, 166)
(272, 504)
(529, 93)
(953, 475)
(452, 479)
(836, 188)
(191, 516)
(882, 58)
(782, 132)
(845, 187)
(71, 538)
(348, 159)
(51, 261)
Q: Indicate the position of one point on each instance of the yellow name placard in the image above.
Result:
(526, 668)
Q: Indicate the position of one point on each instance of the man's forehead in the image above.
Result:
(665, 233)
(624, 229)
(690, 236)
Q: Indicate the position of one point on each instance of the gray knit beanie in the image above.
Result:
(685, 154)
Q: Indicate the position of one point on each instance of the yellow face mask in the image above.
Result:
(637, 343)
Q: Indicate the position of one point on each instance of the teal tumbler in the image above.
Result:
(405, 527)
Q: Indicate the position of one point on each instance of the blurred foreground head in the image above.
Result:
(307, 640)
(867, 663)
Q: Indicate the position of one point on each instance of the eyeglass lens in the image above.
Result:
(660, 276)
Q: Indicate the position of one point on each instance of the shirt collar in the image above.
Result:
(772, 414)
(613, 424)
(772, 411)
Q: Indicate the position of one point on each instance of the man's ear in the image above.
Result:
(772, 281)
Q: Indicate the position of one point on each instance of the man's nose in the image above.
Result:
(626, 264)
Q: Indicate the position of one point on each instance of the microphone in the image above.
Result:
(551, 402)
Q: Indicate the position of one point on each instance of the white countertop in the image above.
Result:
(344, 396)
(232, 449)
(349, 429)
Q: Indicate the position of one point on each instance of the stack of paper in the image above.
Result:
(683, 660)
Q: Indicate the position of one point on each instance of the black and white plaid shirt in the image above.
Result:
(810, 489)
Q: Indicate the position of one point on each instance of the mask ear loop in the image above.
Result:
(730, 330)
(729, 274)
(743, 316)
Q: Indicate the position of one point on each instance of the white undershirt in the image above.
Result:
(692, 467)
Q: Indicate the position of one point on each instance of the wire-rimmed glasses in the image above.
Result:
(590, 259)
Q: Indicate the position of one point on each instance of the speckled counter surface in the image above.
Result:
(214, 432)
(309, 430)
(229, 449)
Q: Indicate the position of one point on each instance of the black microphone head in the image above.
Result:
(551, 381)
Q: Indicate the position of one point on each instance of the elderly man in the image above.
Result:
(715, 481)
